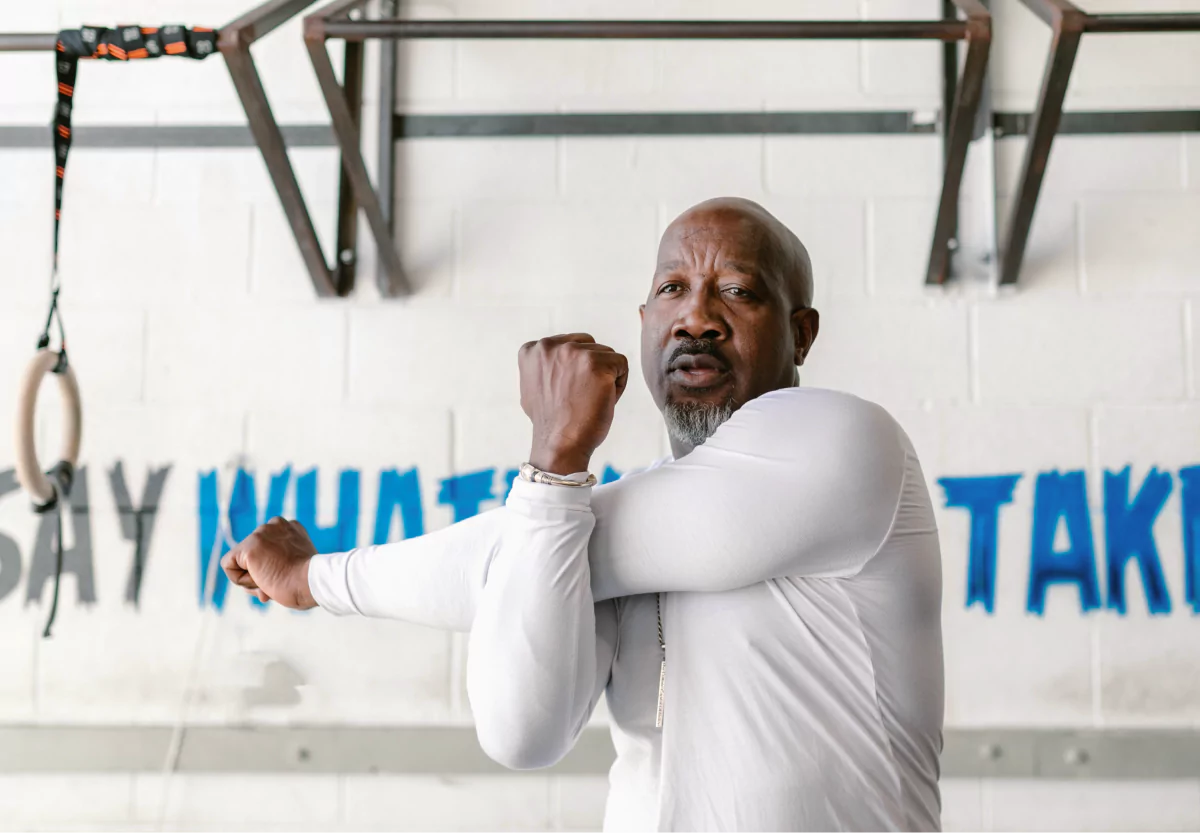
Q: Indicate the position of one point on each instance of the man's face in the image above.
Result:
(718, 327)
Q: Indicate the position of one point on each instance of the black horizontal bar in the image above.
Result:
(28, 41)
(881, 122)
(656, 124)
(164, 136)
(1107, 123)
(650, 29)
(1118, 23)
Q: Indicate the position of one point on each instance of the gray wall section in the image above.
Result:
(1009, 753)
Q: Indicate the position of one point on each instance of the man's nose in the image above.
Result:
(701, 316)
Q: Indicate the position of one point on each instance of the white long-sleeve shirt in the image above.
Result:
(797, 557)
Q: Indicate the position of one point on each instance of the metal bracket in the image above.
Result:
(235, 41)
(1069, 23)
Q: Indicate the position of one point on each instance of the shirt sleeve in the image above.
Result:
(798, 482)
(533, 667)
(433, 580)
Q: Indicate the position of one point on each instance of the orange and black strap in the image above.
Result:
(124, 43)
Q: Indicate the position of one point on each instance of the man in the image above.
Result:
(763, 609)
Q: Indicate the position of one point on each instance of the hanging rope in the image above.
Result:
(52, 490)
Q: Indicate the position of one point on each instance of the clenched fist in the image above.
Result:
(272, 563)
(569, 389)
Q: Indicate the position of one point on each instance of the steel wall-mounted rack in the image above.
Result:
(963, 90)
(333, 22)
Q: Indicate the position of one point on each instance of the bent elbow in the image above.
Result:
(518, 746)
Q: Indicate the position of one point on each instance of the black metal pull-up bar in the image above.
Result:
(28, 41)
(332, 22)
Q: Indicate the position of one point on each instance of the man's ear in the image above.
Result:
(642, 313)
(806, 323)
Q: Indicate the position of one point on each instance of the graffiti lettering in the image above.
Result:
(1062, 549)
(10, 554)
(76, 559)
(137, 522)
(982, 497)
(1129, 533)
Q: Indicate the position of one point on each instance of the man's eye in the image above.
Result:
(738, 292)
(668, 288)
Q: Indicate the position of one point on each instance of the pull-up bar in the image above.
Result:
(28, 42)
(945, 30)
(331, 23)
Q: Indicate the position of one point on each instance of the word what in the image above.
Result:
(399, 494)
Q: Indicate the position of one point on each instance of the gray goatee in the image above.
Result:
(695, 422)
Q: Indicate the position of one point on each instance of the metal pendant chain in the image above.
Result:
(662, 672)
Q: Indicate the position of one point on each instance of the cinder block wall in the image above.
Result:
(199, 345)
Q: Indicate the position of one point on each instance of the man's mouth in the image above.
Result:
(697, 370)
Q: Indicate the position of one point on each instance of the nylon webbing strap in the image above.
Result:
(124, 43)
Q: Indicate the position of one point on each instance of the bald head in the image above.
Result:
(729, 316)
(779, 249)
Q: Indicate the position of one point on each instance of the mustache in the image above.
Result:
(697, 347)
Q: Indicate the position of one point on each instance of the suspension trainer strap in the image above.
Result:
(124, 43)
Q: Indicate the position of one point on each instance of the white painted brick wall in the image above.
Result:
(206, 350)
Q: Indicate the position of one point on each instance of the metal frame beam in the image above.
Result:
(235, 41)
(1069, 23)
(976, 29)
(345, 114)
(1075, 754)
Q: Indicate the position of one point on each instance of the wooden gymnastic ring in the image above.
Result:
(30, 474)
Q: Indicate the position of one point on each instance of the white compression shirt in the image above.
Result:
(797, 557)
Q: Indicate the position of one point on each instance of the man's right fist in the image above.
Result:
(569, 388)
(272, 563)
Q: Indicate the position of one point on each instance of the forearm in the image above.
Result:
(532, 668)
(433, 580)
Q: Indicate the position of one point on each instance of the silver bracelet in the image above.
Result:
(533, 474)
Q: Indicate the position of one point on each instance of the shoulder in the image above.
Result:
(803, 417)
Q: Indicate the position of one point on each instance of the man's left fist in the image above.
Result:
(569, 389)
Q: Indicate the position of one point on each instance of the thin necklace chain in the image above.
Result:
(658, 607)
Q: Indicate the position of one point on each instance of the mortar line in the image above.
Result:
(346, 355)
(1080, 263)
(457, 655)
(869, 278)
(1189, 358)
(973, 352)
(1097, 693)
(250, 249)
(762, 163)
(145, 354)
(560, 167)
(1183, 164)
(1093, 440)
